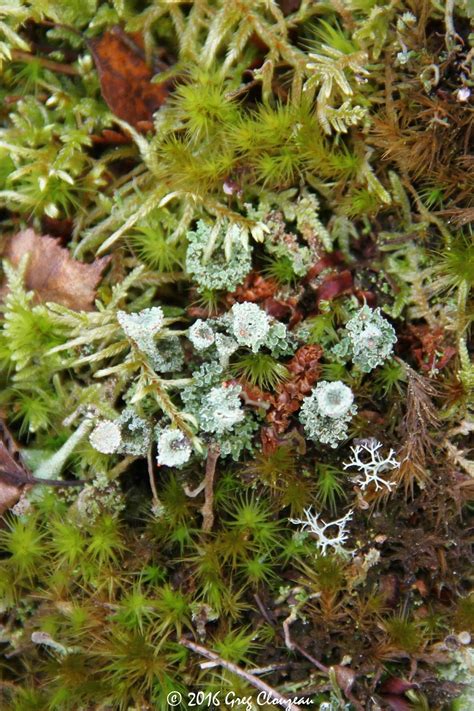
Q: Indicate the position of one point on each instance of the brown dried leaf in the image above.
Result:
(53, 274)
(9, 495)
(12, 475)
(125, 78)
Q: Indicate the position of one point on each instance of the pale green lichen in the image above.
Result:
(174, 448)
(201, 335)
(219, 270)
(98, 496)
(207, 376)
(136, 433)
(141, 327)
(326, 413)
(226, 346)
(241, 438)
(250, 325)
(167, 355)
(221, 409)
(279, 340)
(369, 339)
(106, 437)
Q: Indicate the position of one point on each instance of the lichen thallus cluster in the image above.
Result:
(267, 403)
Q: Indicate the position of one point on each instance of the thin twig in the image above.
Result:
(46, 63)
(309, 657)
(208, 508)
(270, 669)
(122, 466)
(451, 33)
(151, 476)
(263, 610)
(13, 479)
(287, 637)
(271, 694)
(192, 493)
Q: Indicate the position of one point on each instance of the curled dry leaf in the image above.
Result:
(52, 273)
(125, 78)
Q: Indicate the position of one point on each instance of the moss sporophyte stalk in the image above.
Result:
(235, 339)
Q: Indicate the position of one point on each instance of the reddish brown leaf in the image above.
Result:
(335, 285)
(328, 261)
(9, 495)
(397, 703)
(52, 273)
(329, 278)
(396, 686)
(125, 78)
(12, 475)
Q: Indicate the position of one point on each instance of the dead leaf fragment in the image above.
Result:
(52, 273)
(9, 495)
(12, 475)
(125, 78)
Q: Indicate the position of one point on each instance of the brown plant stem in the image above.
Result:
(249, 678)
(208, 508)
(58, 67)
(151, 476)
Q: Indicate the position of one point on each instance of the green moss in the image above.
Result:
(308, 164)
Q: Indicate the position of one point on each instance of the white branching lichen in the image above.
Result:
(327, 412)
(174, 448)
(373, 466)
(106, 437)
(250, 325)
(324, 532)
